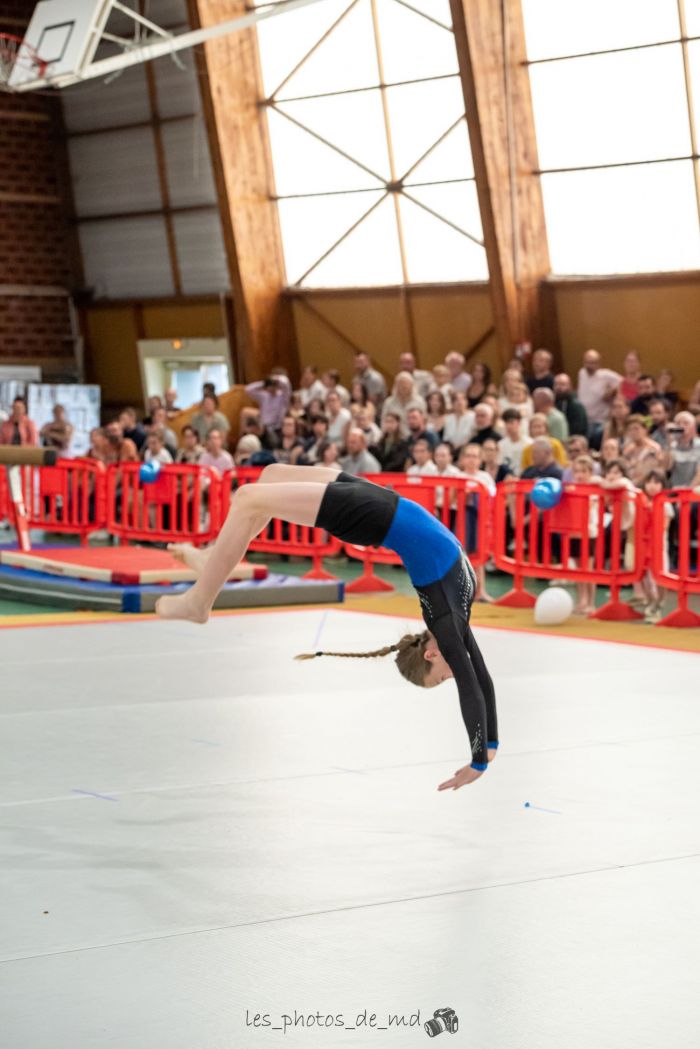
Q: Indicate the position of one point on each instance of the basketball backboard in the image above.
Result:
(65, 35)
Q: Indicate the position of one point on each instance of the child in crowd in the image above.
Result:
(583, 474)
(653, 483)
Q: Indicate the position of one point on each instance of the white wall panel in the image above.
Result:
(95, 104)
(114, 172)
(126, 259)
(177, 89)
(189, 173)
(200, 251)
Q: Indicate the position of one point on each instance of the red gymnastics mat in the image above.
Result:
(123, 565)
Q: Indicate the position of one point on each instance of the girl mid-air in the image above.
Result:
(358, 511)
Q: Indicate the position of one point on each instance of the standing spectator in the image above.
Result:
(159, 422)
(483, 424)
(312, 445)
(445, 468)
(513, 444)
(418, 429)
(209, 417)
(331, 384)
(557, 426)
(155, 450)
(459, 424)
(392, 450)
(639, 453)
(171, 406)
(57, 433)
(118, 448)
(515, 394)
(683, 459)
(596, 389)
(568, 403)
(19, 428)
(436, 413)
(543, 462)
(215, 456)
(421, 378)
(403, 397)
(132, 428)
(542, 374)
(371, 379)
(460, 380)
(664, 381)
(617, 423)
(655, 482)
(290, 445)
(191, 450)
(339, 418)
(658, 413)
(645, 394)
(480, 384)
(273, 394)
(358, 460)
(538, 428)
(631, 371)
(422, 460)
(98, 445)
(310, 385)
(583, 474)
(491, 463)
(469, 465)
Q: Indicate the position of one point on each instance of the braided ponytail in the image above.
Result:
(410, 661)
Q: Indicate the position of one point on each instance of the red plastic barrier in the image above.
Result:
(67, 497)
(281, 537)
(183, 504)
(4, 496)
(458, 495)
(685, 578)
(602, 521)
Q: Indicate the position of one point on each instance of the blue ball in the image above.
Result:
(547, 493)
(148, 472)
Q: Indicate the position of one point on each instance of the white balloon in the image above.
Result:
(553, 606)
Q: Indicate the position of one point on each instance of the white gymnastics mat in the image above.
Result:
(197, 831)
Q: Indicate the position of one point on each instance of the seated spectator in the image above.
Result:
(663, 384)
(480, 385)
(339, 418)
(440, 383)
(631, 371)
(159, 422)
(315, 407)
(616, 424)
(132, 428)
(310, 385)
(391, 450)
(538, 428)
(312, 444)
(639, 453)
(403, 397)
(118, 448)
(191, 450)
(98, 445)
(209, 417)
(515, 394)
(492, 400)
(684, 455)
(436, 412)
(364, 422)
(568, 403)
(491, 461)
(422, 379)
(460, 380)
(418, 429)
(328, 455)
(513, 444)
(57, 433)
(155, 450)
(331, 382)
(358, 460)
(576, 446)
(459, 423)
(151, 404)
(646, 391)
(543, 401)
(371, 379)
(358, 394)
(484, 428)
(469, 463)
(19, 428)
(290, 445)
(583, 474)
(611, 448)
(445, 468)
(469, 466)
(422, 459)
(543, 461)
(248, 445)
(542, 374)
(659, 416)
(171, 406)
(214, 455)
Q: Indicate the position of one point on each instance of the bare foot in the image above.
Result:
(181, 606)
(189, 555)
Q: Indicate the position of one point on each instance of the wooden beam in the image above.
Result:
(231, 87)
(490, 41)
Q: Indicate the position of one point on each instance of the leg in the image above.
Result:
(251, 507)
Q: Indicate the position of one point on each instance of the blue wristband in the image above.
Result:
(476, 765)
(492, 744)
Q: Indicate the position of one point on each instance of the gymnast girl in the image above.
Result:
(359, 511)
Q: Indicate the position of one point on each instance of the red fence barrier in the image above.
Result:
(684, 579)
(67, 497)
(464, 506)
(183, 504)
(594, 535)
(4, 496)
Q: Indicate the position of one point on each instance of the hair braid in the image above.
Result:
(411, 644)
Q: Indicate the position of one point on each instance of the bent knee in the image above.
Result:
(272, 472)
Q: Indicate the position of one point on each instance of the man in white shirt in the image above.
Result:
(459, 424)
(596, 389)
(358, 460)
(422, 460)
(310, 386)
(460, 380)
(338, 418)
(155, 450)
(513, 444)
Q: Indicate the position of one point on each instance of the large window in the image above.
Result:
(613, 84)
(372, 165)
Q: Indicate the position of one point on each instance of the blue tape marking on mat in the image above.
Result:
(321, 625)
(539, 809)
(93, 794)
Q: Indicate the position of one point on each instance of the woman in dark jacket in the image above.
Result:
(392, 450)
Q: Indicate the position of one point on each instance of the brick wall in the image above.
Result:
(39, 266)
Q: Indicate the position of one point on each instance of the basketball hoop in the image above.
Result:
(16, 55)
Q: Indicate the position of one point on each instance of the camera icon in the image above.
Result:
(443, 1020)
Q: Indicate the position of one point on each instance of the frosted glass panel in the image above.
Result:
(452, 158)
(369, 255)
(420, 114)
(284, 39)
(455, 201)
(568, 27)
(692, 17)
(436, 252)
(623, 220)
(694, 56)
(611, 108)
(412, 46)
(311, 225)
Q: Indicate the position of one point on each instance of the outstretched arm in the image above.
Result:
(489, 693)
(448, 631)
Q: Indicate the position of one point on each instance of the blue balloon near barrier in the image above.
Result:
(547, 493)
(148, 472)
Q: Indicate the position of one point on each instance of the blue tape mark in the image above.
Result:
(206, 742)
(539, 809)
(321, 625)
(94, 794)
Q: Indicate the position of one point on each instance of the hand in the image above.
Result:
(461, 776)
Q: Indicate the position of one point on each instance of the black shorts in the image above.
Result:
(357, 511)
